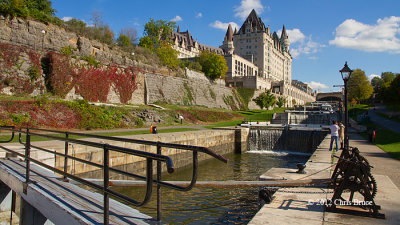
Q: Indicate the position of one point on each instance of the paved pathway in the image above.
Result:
(389, 124)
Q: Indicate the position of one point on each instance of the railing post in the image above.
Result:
(66, 156)
(158, 184)
(106, 185)
(27, 160)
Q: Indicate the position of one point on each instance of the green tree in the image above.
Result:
(131, 33)
(281, 101)
(260, 100)
(265, 100)
(146, 42)
(387, 77)
(213, 65)
(359, 87)
(270, 101)
(123, 41)
(393, 91)
(167, 55)
(158, 31)
(77, 26)
(38, 9)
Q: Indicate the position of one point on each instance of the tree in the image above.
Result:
(387, 77)
(131, 33)
(158, 31)
(146, 42)
(294, 102)
(168, 56)
(77, 26)
(123, 41)
(393, 91)
(265, 100)
(38, 9)
(260, 100)
(97, 19)
(359, 87)
(281, 101)
(270, 99)
(213, 65)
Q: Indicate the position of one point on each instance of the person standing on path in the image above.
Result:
(334, 135)
(341, 135)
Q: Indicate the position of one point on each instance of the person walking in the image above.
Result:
(334, 135)
(341, 135)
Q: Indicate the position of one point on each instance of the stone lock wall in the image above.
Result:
(221, 141)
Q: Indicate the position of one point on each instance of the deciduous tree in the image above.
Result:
(281, 101)
(157, 31)
(359, 87)
(213, 65)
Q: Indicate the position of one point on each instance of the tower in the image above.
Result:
(227, 44)
(285, 40)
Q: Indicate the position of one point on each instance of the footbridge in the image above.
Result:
(42, 193)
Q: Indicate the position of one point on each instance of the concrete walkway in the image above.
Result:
(303, 205)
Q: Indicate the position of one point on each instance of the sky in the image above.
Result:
(323, 34)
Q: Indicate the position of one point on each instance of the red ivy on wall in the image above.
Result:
(125, 82)
(93, 84)
(61, 77)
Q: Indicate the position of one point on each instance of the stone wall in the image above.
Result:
(221, 142)
(181, 91)
(152, 88)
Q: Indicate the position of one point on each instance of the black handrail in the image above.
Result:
(106, 168)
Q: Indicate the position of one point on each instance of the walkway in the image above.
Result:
(389, 124)
(291, 206)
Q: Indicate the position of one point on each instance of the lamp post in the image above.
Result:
(346, 73)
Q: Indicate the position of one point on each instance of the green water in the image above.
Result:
(216, 205)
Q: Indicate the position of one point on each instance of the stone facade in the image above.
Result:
(187, 47)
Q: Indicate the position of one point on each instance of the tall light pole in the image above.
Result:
(346, 73)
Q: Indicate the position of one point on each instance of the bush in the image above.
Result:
(91, 60)
(67, 50)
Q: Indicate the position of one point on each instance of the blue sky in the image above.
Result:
(323, 33)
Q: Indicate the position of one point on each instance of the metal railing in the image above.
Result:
(107, 192)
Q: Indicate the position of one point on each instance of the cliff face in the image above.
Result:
(26, 67)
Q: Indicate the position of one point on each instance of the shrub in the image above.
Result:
(33, 73)
(67, 50)
(91, 60)
(61, 76)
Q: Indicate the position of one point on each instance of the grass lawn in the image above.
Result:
(249, 115)
(125, 133)
(388, 141)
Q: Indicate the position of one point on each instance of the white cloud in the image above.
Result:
(294, 35)
(67, 18)
(223, 26)
(301, 44)
(370, 77)
(317, 85)
(246, 6)
(384, 36)
(177, 19)
(199, 15)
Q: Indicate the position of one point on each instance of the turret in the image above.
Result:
(227, 44)
(285, 40)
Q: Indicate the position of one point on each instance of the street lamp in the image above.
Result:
(346, 73)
